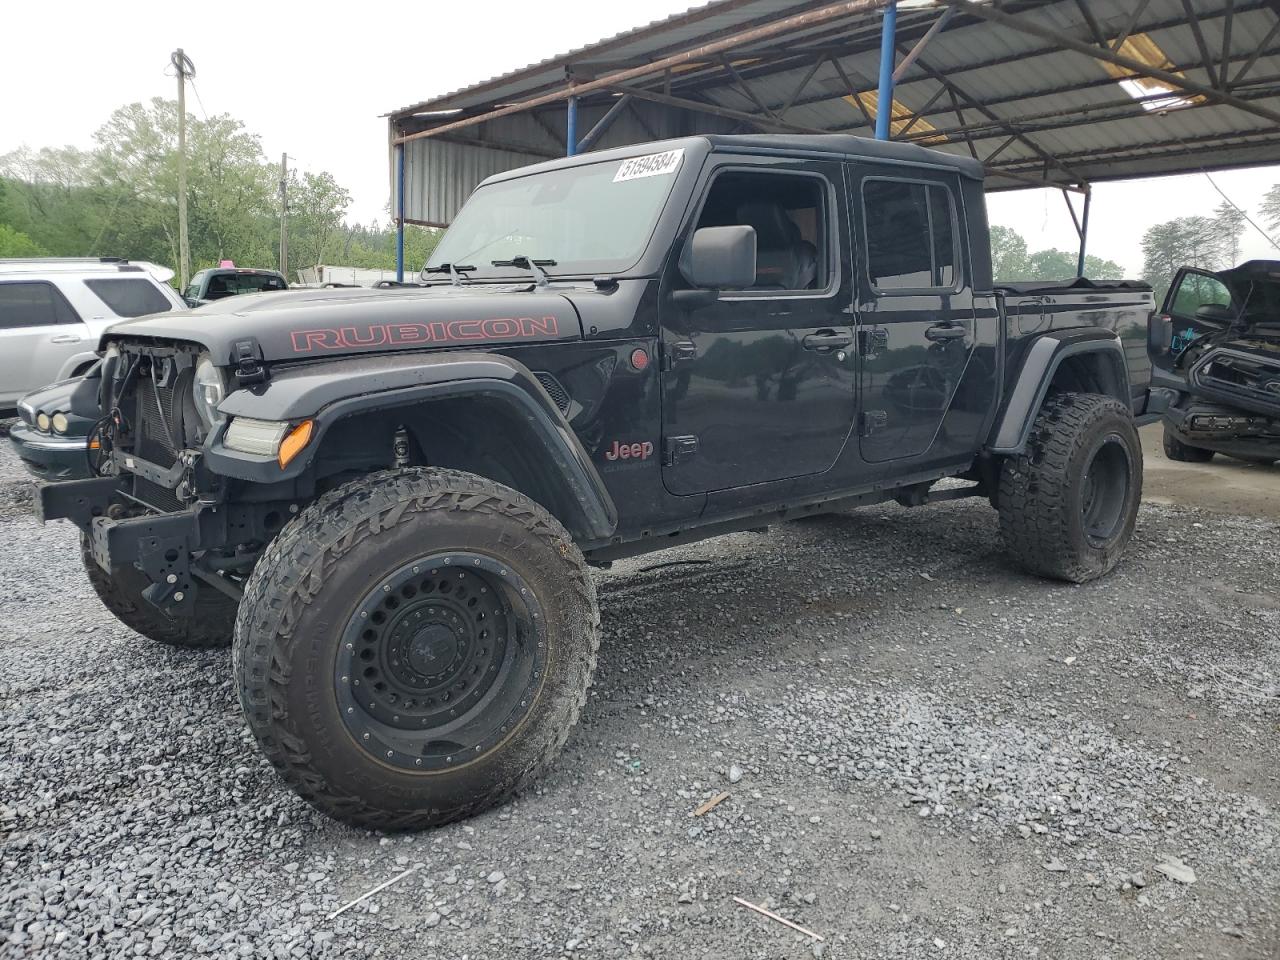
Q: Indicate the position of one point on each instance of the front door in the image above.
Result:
(916, 313)
(39, 332)
(759, 385)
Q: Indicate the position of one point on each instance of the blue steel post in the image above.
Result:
(884, 102)
(571, 128)
(400, 213)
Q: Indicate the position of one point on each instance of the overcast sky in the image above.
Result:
(312, 79)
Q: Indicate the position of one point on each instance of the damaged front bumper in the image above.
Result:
(1225, 429)
(170, 549)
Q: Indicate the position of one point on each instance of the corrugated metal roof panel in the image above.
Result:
(1068, 115)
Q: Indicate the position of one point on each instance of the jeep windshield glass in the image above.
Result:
(592, 219)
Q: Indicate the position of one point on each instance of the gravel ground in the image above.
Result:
(927, 754)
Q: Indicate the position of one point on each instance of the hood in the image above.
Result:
(305, 324)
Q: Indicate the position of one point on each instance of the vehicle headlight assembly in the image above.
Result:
(268, 438)
(208, 390)
(43, 422)
(59, 422)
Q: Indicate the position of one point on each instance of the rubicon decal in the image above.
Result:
(437, 331)
(629, 451)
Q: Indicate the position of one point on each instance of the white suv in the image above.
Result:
(52, 312)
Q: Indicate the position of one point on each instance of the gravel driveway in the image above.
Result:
(926, 754)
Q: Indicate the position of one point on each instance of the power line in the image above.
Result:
(1231, 203)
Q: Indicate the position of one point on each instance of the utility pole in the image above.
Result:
(284, 215)
(182, 63)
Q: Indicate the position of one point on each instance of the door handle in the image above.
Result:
(65, 338)
(827, 340)
(944, 331)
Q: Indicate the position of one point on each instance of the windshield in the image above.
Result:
(585, 219)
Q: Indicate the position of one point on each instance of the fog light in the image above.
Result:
(259, 437)
(43, 422)
(60, 423)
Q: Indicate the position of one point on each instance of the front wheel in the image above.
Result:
(415, 646)
(1068, 503)
(1175, 449)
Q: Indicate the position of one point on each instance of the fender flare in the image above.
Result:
(1028, 388)
(331, 391)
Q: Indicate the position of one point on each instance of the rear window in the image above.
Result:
(33, 304)
(230, 284)
(911, 235)
(129, 296)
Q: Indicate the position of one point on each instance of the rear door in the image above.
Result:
(39, 331)
(759, 385)
(916, 312)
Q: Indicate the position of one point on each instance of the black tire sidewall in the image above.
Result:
(306, 709)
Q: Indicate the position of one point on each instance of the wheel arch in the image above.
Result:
(484, 414)
(1090, 360)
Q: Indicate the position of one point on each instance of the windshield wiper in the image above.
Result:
(533, 266)
(454, 270)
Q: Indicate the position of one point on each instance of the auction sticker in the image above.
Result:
(653, 165)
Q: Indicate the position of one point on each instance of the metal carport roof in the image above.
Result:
(1057, 93)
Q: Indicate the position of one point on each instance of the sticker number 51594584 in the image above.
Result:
(651, 165)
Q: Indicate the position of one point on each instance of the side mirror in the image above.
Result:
(191, 302)
(1215, 313)
(720, 258)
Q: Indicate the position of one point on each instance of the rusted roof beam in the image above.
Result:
(935, 28)
(715, 110)
(1172, 80)
(1092, 22)
(1225, 61)
(833, 11)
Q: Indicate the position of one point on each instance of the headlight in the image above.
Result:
(43, 422)
(60, 422)
(208, 391)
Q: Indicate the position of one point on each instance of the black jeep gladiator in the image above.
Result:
(391, 497)
(1217, 351)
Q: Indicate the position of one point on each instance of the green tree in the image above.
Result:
(16, 244)
(1186, 241)
(317, 207)
(1008, 254)
(1271, 208)
(1229, 222)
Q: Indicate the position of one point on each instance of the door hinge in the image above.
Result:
(678, 449)
(872, 340)
(872, 421)
(678, 351)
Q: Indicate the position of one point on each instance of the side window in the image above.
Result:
(1196, 290)
(33, 304)
(129, 296)
(910, 235)
(789, 214)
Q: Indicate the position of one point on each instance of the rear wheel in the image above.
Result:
(1175, 449)
(120, 591)
(1068, 503)
(415, 646)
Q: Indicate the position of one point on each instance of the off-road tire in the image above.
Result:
(1042, 491)
(308, 587)
(1175, 449)
(120, 591)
